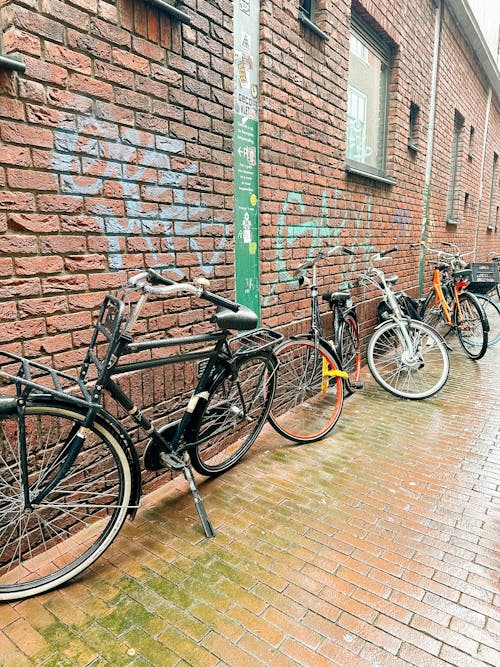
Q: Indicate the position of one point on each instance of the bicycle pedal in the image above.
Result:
(156, 459)
(357, 385)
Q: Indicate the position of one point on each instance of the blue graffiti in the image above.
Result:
(134, 190)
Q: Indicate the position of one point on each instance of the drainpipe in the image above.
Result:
(483, 162)
(430, 142)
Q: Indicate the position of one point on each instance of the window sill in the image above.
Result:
(413, 147)
(312, 27)
(12, 62)
(166, 7)
(452, 221)
(366, 174)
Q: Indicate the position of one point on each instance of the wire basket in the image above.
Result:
(483, 276)
(260, 339)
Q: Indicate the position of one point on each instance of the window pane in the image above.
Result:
(366, 105)
(306, 7)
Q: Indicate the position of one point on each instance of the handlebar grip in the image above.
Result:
(347, 251)
(386, 252)
(220, 301)
(156, 278)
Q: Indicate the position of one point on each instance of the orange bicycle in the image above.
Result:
(448, 305)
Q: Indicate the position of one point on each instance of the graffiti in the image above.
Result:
(337, 213)
(402, 220)
(135, 189)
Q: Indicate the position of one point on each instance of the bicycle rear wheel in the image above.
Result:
(309, 394)
(492, 312)
(64, 532)
(471, 326)
(408, 373)
(350, 351)
(228, 422)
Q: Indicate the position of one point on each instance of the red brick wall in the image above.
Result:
(116, 153)
(307, 197)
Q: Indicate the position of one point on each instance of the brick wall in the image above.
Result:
(308, 198)
(116, 154)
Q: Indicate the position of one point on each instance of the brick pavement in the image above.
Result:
(375, 547)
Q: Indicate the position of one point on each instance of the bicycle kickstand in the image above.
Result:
(200, 507)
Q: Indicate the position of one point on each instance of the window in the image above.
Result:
(367, 100)
(452, 207)
(492, 214)
(310, 17)
(472, 142)
(307, 8)
(414, 127)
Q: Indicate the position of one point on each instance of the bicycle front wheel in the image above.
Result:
(45, 540)
(414, 371)
(229, 421)
(492, 312)
(309, 393)
(471, 326)
(350, 351)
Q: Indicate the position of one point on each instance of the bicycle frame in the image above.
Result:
(316, 333)
(440, 298)
(396, 314)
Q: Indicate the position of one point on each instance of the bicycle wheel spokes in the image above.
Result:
(414, 372)
(47, 541)
(492, 312)
(231, 420)
(470, 326)
(309, 396)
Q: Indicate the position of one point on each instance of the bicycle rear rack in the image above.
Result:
(30, 376)
(249, 343)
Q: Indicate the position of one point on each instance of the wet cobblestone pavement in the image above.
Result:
(375, 547)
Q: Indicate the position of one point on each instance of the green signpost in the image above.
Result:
(246, 157)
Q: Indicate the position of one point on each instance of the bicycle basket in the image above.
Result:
(483, 276)
(260, 339)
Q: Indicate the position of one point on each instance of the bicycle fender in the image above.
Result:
(117, 430)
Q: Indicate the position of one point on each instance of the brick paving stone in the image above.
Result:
(375, 547)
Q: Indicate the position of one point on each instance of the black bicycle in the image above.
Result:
(69, 473)
(345, 339)
(310, 387)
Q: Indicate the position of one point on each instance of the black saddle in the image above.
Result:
(337, 298)
(243, 319)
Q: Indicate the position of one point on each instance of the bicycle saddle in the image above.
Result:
(243, 319)
(337, 297)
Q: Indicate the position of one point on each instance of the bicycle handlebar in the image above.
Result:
(308, 263)
(153, 282)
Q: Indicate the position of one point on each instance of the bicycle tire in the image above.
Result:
(307, 403)
(350, 351)
(229, 421)
(416, 376)
(492, 312)
(78, 520)
(472, 326)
